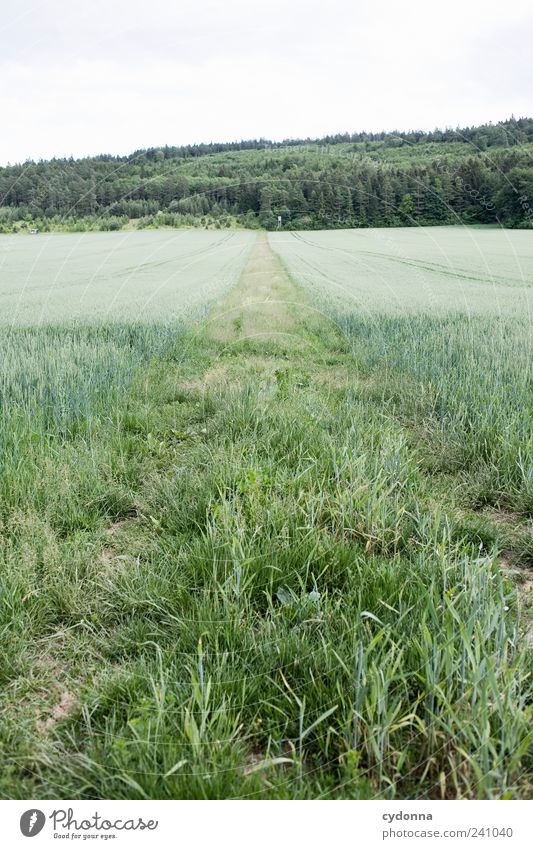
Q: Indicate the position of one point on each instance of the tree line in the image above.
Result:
(473, 175)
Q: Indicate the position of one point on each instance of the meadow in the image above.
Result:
(443, 314)
(80, 313)
(133, 277)
(265, 515)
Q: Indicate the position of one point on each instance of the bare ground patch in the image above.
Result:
(63, 708)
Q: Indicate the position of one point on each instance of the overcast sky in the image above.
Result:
(112, 76)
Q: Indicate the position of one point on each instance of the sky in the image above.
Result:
(114, 76)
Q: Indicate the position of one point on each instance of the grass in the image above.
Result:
(451, 339)
(407, 271)
(133, 277)
(248, 571)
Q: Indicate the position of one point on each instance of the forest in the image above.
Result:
(475, 175)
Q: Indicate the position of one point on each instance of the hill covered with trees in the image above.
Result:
(480, 175)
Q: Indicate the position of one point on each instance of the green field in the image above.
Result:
(134, 277)
(266, 507)
(405, 271)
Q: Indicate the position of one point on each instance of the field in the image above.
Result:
(133, 277)
(266, 514)
(413, 270)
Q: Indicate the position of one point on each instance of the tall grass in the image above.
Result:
(468, 381)
(287, 616)
(58, 381)
(261, 585)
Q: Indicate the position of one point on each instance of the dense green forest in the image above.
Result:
(475, 175)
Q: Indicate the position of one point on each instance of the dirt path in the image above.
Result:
(268, 325)
(262, 304)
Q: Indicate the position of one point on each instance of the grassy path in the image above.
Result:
(252, 591)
